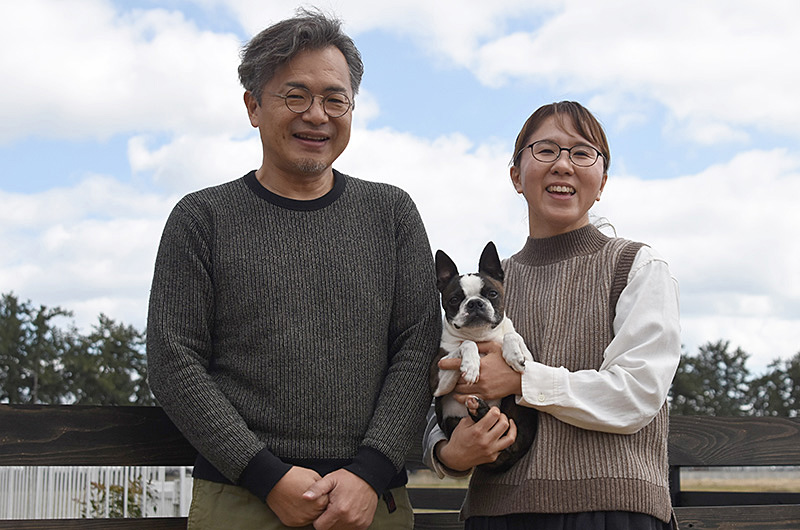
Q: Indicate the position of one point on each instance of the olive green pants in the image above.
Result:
(216, 506)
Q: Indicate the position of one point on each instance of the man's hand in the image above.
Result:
(351, 501)
(473, 443)
(287, 501)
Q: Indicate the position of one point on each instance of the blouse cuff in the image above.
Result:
(540, 385)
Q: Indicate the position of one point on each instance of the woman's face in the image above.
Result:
(559, 194)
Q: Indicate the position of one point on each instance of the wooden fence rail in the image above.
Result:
(46, 435)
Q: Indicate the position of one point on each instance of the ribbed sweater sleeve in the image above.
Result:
(294, 333)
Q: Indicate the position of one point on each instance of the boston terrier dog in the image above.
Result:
(474, 312)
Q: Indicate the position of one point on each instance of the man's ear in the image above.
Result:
(515, 179)
(251, 102)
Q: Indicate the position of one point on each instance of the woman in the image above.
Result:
(600, 316)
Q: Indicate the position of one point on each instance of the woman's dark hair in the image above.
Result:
(584, 122)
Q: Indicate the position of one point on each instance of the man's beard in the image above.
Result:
(310, 166)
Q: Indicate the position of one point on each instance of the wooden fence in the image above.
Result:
(53, 435)
(55, 492)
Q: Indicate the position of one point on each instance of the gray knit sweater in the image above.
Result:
(286, 332)
(560, 293)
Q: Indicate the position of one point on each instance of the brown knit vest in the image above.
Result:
(561, 295)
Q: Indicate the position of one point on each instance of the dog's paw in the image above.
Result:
(471, 371)
(514, 357)
(470, 362)
(476, 408)
(515, 352)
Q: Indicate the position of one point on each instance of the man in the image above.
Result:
(293, 315)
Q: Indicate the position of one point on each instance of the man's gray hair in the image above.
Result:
(279, 43)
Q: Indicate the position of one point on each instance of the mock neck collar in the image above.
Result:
(543, 251)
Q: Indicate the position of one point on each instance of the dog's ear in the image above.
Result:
(489, 264)
(446, 270)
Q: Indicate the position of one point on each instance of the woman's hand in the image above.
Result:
(497, 380)
(472, 444)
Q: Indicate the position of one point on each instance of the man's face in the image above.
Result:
(301, 146)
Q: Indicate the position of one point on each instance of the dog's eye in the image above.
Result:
(491, 294)
(454, 301)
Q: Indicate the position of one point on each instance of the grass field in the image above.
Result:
(746, 479)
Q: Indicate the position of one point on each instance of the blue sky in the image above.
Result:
(110, 111)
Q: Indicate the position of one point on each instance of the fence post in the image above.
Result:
(186, 484)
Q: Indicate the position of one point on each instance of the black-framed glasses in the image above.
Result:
(299, 100)
(546, 151)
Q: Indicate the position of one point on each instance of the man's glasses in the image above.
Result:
(299, 100)
(547, 151)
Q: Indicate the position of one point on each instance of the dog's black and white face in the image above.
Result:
(472, 301)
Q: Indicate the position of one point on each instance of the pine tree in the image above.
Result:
(715, 382)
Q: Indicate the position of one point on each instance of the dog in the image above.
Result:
(474, 312)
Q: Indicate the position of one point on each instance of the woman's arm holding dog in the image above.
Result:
(478, 443)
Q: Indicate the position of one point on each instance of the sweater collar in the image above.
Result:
(329, 198)
(544, 251)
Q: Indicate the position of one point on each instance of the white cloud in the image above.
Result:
(105, 73)
(193, 161)
(728, 234)
(716, 65)
(728, 231)
(451, 29)
(463, 191)
(677, 54)
(108, 72)
(88, 248)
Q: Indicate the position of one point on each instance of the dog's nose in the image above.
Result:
(475, 304)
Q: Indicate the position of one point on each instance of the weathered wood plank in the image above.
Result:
(695, 518)
(91, 435)
(437, 521)
(735, 498)
(436, 498)
(150, 523)
(44, 435)
(88, 435)
(739, 518)
(734, 441)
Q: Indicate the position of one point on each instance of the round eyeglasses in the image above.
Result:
(547, 151)
(299, 100)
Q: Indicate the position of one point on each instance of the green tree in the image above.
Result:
(777, 392)
(715, 382)
(108, 366)
(42, 362)
(31, 347)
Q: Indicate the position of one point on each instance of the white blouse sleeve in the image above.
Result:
(433, 435)
(632, 383)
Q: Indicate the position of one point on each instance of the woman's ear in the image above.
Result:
(515, 179)
(602, 185)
